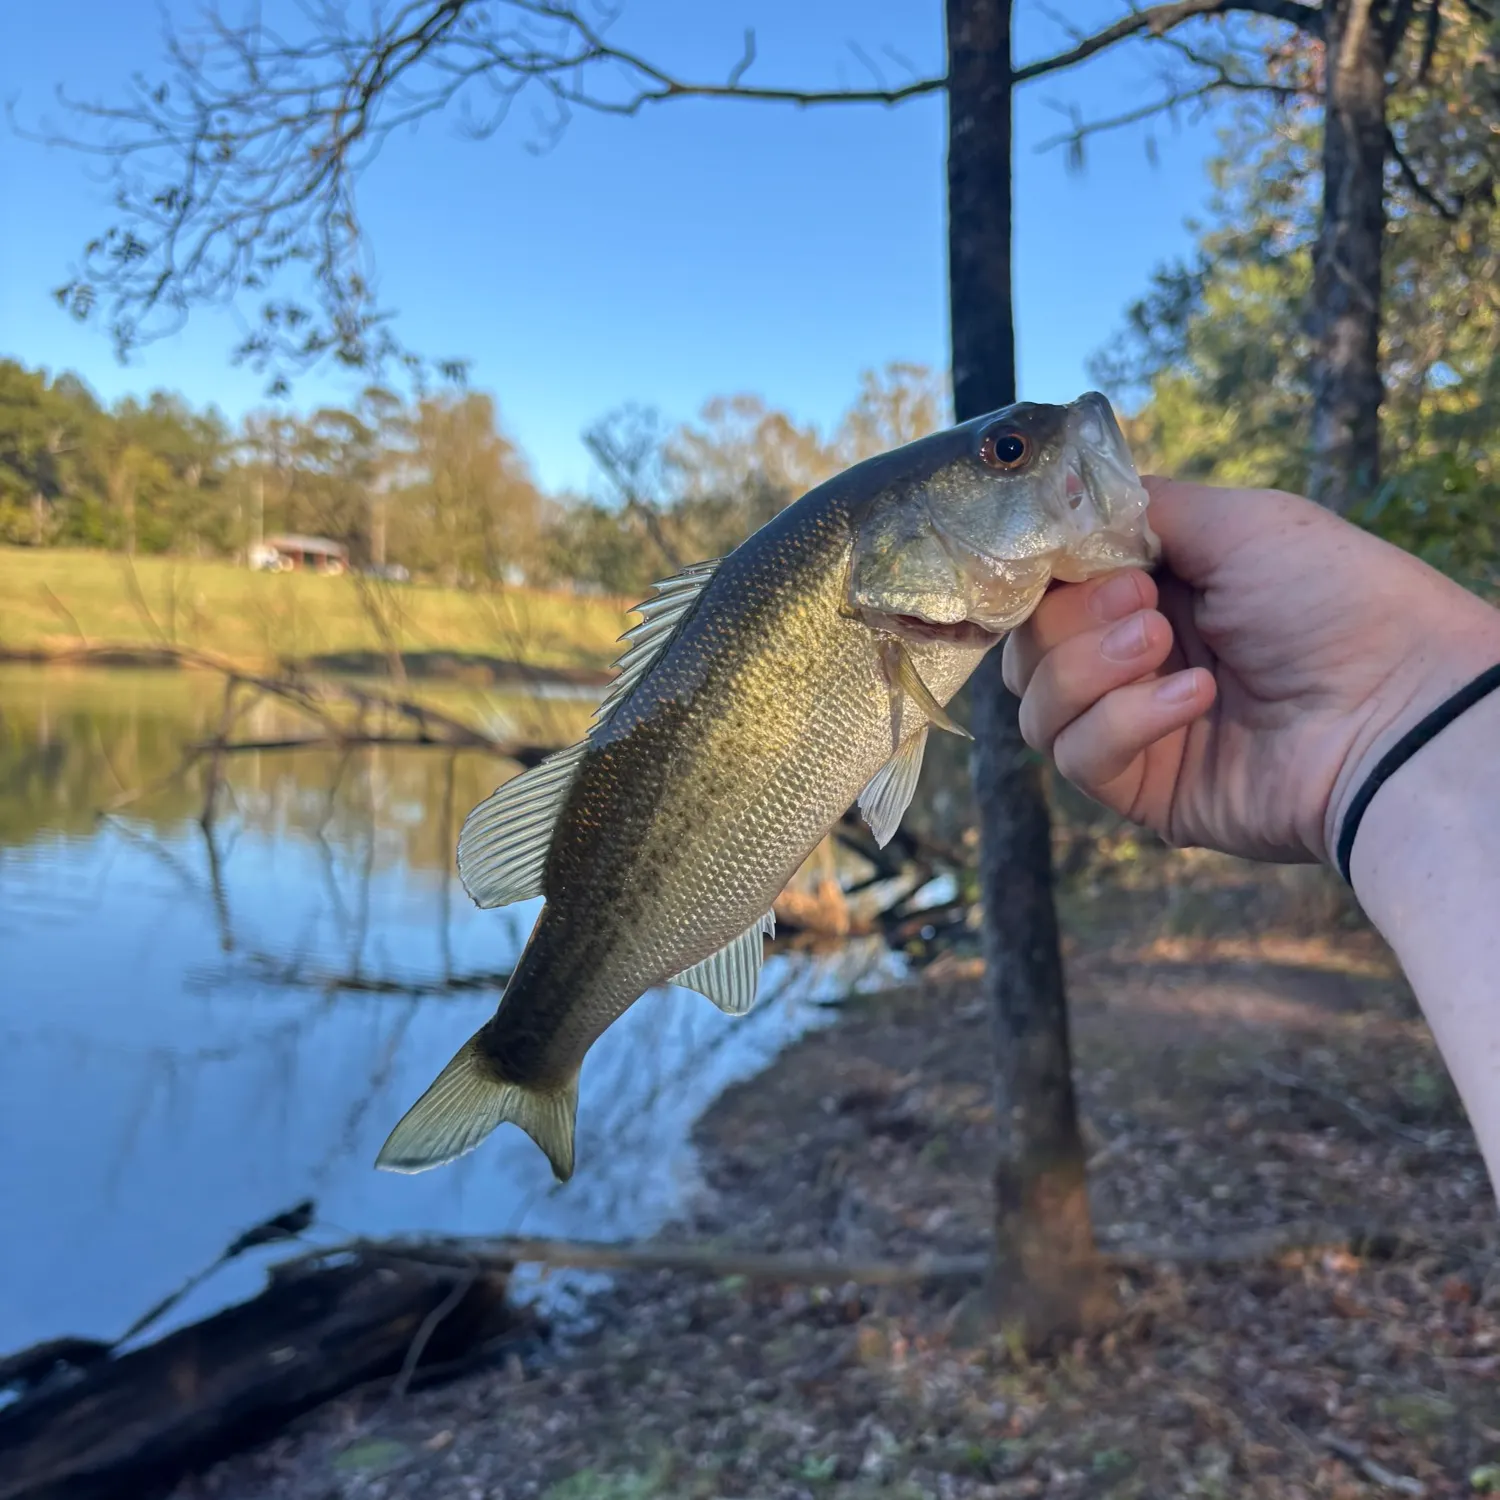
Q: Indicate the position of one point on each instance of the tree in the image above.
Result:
(135, 479)
(47, 489)
(469, 511)
(1047, 1266)
(1372, 69)
(165, 468)
(1219, 347)
(240, 173)
(742, 461)
(699, 489)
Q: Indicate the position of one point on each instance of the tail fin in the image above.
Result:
(465, 1102)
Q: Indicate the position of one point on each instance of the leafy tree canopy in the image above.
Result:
(1213, 362)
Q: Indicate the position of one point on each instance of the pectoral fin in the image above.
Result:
(731, 976)
(901, 672)
(884, 801)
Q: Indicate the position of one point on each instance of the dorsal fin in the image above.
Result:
(660, 615)
(503, 847)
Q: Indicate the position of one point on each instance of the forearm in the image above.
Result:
(1426, 868)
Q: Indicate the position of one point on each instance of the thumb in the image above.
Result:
(1200, 525)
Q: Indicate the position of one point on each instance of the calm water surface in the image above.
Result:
(198, 1029)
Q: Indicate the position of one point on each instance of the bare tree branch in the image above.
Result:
(1409, 176)
(1429, 39)
(1157, 20)
(627, 446)
(1177, 98)
(240, 168)
(1393, 31)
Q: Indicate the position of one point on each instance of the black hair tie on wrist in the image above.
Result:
(1403, 750)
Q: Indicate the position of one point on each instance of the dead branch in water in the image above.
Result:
(341, 715)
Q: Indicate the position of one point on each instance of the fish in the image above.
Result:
(761, 695)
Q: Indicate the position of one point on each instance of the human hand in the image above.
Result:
(1239, 702)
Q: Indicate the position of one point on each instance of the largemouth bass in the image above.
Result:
(761, 695)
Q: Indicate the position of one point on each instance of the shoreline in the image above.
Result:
(461, 668)
(872, 1139)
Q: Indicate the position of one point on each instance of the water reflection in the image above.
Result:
(204, 1020)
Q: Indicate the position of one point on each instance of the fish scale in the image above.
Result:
(761, 696)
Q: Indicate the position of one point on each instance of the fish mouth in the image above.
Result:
(1075, 487)
(1104, 503)
(916, 628)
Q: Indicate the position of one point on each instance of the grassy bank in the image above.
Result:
(50, 598)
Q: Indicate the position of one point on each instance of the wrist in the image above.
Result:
(1439, 665)
(1426, 870)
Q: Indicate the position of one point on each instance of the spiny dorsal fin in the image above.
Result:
(660, 615)
(884, 801)
(731, 976)
(502, 848)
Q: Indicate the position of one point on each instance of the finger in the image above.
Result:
(1066, 610)
(1103, 745)
(1074, 676)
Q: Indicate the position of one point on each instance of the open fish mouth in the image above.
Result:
(912, 627)
(1075, 486)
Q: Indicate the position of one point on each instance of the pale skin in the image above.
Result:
(1239, 701)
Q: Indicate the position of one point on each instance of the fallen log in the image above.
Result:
(133, 1425)
(336, 1318)
(690, 1258)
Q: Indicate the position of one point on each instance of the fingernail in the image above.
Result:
(1127, 640)
(1177, 688)
(1116, 597)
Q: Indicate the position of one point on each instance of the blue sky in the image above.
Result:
(698, 249)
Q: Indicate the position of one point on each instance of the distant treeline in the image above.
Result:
(433, 483)
(1212, 369)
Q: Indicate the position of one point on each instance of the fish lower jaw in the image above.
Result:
(949, 632)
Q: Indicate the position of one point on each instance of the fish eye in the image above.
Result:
(1004, 450)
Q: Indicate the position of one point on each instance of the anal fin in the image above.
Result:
(731, 976)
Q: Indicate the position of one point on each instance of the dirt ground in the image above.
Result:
(1246, 1058)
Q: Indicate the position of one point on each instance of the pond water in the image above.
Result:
(200, 1028)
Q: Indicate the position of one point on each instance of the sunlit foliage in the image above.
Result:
(1214, 360)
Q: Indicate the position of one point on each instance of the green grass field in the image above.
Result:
(49, 598)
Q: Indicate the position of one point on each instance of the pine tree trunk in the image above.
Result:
(1047, 1273)
(1347, 388)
